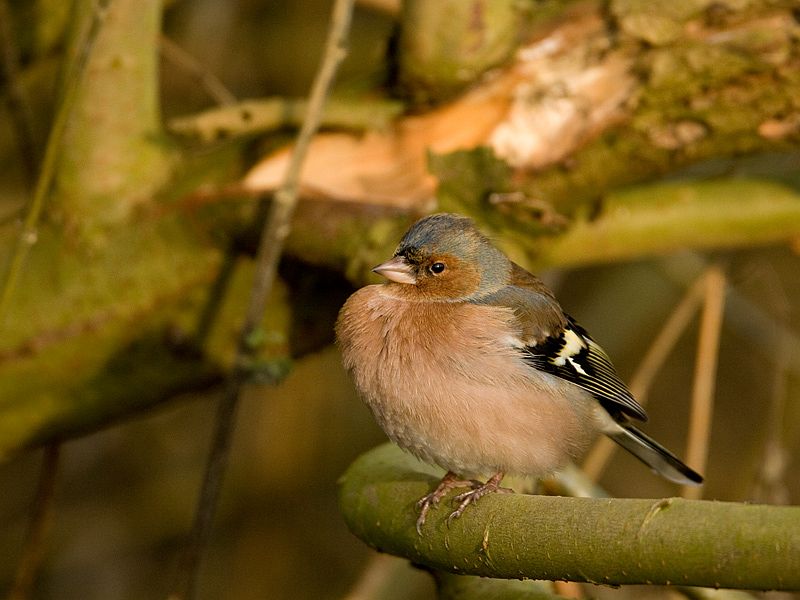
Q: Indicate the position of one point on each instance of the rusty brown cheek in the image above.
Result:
(459, 280)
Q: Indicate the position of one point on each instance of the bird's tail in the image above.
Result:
(654, 455)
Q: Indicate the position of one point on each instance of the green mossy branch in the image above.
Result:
(605, 541)
(665, 217)
(96, 340)
(259, 116)
(114, 157)
(447, 45)
(92, 380)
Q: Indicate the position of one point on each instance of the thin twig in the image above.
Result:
(276, 229)
(19, 106)
(705, 374)
(210, 82)
(744, 317)
(41, 520)
(598, 458)
(770, 484)
(29, 234)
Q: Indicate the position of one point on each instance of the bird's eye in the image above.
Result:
(437, 267)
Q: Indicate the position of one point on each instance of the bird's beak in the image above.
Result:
(396, 269)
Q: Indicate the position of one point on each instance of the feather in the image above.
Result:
(655, 456)
(574, 356)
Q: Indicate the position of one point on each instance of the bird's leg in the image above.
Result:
(476, 493)
(448, 482)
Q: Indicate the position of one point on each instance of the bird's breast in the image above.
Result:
(444, 382)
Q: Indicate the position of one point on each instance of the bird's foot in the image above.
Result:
(476, 493)
(448, 482)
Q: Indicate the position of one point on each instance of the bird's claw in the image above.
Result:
(423, 506)
(428, 501)
(477, 490)
(475, 494)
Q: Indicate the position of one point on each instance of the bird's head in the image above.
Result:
(444, 257)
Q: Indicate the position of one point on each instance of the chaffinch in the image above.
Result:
(468, 362)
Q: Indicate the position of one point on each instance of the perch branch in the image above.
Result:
(606, 541)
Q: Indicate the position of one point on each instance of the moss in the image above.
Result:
(445, 46)
(467, 178)
(617, 158)
(656, 23)
(113, 157)
(94, 377)
(113, 336)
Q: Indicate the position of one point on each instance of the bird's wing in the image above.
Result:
(577, 358)
(553, 342)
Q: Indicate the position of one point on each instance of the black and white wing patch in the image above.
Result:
(577, 358)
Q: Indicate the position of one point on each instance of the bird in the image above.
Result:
(468, 362)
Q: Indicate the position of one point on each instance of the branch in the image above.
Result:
(273, 235)
(705, 374)
(29, 234)
(447, 45)
(41, 522)
(662, 218)
(646, 220)
(207, 80)
(19, 107)
(261, 115)
(115, 157)
(606, 541)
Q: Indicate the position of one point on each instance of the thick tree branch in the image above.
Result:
(115, 157)
(607, 541)
(29, 234)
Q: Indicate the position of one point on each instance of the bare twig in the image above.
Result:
(29, 233)
(597, 460)
(41, 519)
(19, 105)
(210, 82)
(274, 233)
(742, 316)
(705, 375)
(770, 484)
